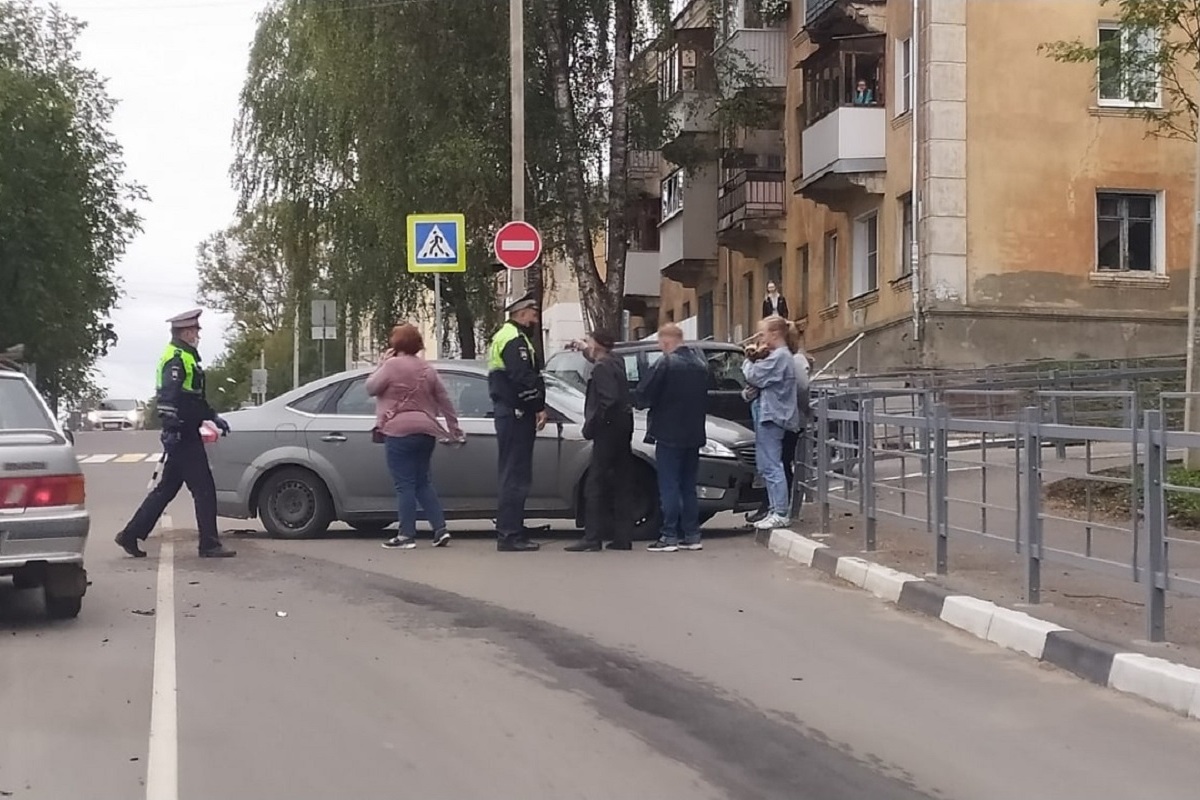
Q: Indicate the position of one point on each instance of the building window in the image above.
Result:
(752, 302)
(904, 73)
(906, 236)
(1127, 232)
(671, 315)
(866, 255)
(687, 310)
(774, 271)
(704, 319)
(672, 194)
(802, 266)
(850, 75)
(831, 269)
(1128, 73)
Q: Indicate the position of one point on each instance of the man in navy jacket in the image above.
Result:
(676, 393)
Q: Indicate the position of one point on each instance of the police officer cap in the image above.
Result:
(520, 304)
(188, 319)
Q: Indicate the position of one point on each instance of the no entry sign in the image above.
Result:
(518, 245)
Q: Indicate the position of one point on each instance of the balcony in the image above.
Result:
(845, 151)
(643, 277)
(763, 50)
(749, 208)
(843, 16)
(687, 247)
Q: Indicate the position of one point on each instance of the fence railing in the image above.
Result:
(1084, 479)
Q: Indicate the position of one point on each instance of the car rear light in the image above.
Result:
(41, 492)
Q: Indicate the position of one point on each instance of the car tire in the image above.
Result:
(58, 607)
(647, 511)
(295, 504)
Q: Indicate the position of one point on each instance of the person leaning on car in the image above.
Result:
(675, 391)
(608, 423)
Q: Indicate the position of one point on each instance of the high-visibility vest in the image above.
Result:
(189, 368)
(508, 331)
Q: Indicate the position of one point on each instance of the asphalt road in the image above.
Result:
(334, 668)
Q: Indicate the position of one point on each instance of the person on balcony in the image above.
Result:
(863, 96)
(774, 304)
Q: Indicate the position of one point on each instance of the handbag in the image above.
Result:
(377, 434)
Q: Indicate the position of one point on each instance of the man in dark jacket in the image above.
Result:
(608, 423)
(519, 404)
(676, 393)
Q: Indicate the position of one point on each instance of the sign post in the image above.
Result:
(324, 325)
(437, 243)
(258, 384)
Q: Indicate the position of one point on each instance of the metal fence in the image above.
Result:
(989, 464)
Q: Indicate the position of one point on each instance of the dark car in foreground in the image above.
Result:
(306, 459)
(725, 378)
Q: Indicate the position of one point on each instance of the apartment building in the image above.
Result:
(934, 183)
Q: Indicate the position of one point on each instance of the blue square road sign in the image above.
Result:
(437, 243)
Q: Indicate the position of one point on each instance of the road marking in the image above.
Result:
(130, 458)
(153, 458)
(98, 459)
(162, 767)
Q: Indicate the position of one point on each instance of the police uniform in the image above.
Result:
(182, 408)
(518, 395)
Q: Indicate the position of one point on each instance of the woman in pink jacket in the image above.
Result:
(409, 397)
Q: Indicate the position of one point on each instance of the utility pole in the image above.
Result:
(516, 60)
(1191, 412)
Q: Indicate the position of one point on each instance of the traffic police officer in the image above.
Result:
(182, 408)
(519, 402)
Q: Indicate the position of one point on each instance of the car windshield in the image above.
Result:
(118, 405)
(724, 368)
(570, 367)
(20, 408)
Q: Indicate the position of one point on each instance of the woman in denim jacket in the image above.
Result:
(770, 369)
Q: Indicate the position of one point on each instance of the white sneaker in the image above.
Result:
(771, 522)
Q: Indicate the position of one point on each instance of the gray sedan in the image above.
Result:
(306, 459)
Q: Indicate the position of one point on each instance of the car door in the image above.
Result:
(339, 441)
(465, 475)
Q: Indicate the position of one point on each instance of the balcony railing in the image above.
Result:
(751, 195)
(815, 8)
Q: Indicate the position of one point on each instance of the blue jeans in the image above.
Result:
(678, 469)
(408, 460)
(768, 454)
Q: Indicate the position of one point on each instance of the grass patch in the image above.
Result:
(1113, 499)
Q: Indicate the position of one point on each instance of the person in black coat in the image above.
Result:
(774, 304)
(608, 424)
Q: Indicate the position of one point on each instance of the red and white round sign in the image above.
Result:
(518, 245)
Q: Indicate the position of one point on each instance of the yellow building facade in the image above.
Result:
(933, 183)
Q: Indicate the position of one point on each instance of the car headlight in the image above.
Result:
(131, 416)
(714, 449)
(93, 416)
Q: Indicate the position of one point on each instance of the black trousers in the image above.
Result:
(515, 437)
(608, 483)
(188, 464)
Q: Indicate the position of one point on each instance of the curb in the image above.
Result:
(1164, 683)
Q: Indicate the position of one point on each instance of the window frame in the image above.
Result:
(907, 230)
(904, 77)
(830, 256)
(864, 278)
(1157, 240)
(1125, 101)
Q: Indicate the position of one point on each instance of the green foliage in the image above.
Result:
(66, 210)
(1167, 33)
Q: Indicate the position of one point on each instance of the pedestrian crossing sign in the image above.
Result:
(437, 243)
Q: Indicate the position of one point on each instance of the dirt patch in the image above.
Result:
(1109, 493)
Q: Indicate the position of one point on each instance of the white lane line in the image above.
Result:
(130, 458)
(102, 458)
(153, 457)
(162, 767)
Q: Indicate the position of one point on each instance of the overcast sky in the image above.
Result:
(175, 67)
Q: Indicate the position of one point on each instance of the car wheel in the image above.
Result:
(644, 505)
(63, 607)
(295, 504)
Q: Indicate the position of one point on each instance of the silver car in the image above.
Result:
(115, 414)
(43, 522)
(305, 459)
